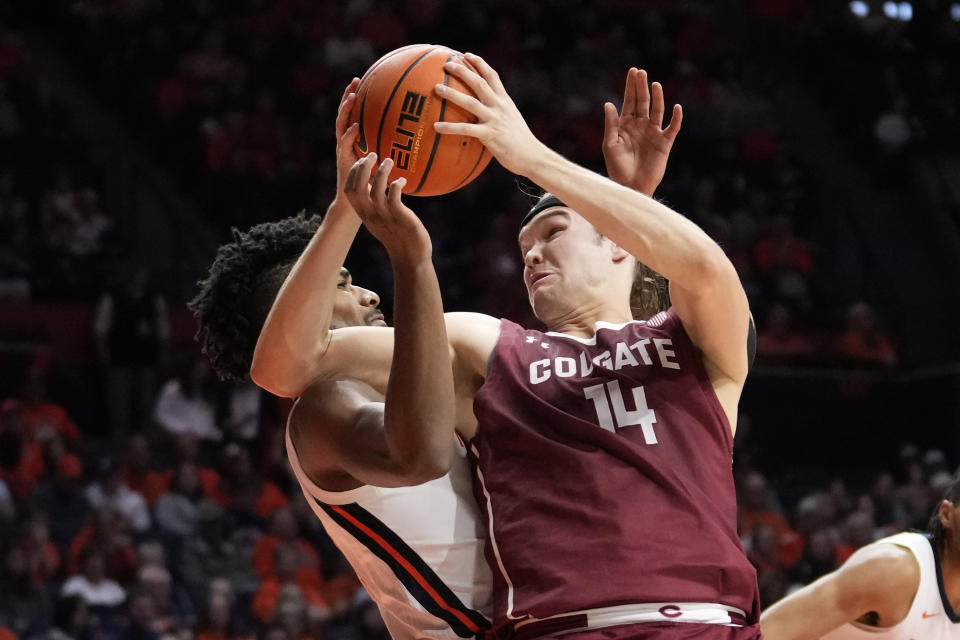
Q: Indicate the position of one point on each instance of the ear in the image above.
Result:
(944, 511)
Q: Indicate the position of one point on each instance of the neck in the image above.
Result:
(950, 565)
(582, 322)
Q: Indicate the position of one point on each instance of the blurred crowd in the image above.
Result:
(55, 239)
(192, 528)
(195, 528)
(238, 100)
(795, 534)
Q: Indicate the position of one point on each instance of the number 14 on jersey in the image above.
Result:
(612, 414)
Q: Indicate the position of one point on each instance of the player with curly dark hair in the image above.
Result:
(243, 281)
(383, 471)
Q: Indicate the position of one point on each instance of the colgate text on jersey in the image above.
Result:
(622, 356)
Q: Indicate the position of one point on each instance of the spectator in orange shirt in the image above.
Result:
(754, 506)
(21, 459)
(241, 488)
(41, 415)
(138, 474)
(863, 341)
(284, 580)
(283, 531)
(107, 530)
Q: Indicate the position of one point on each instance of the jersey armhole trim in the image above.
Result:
(947, 607)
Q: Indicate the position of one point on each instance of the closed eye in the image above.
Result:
(552, 231)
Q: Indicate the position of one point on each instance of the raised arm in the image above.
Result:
(705, 289)
(296, 331)
(881, 579)
(420, 409)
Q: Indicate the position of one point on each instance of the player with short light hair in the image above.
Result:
(602, 448)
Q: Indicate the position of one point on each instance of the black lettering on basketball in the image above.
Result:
(393, 93)
(410, 110)
(401, 158)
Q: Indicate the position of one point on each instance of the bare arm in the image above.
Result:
(880, 578)
(343, 434)
(420, 410)
(706, 290)
(296, 332)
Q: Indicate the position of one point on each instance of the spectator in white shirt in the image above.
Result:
(185, 404)
(110, 491)
(93, 585)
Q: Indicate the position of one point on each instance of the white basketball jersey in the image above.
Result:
(930, 617)
(417, 550)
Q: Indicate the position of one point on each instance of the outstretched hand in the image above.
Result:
(499, 126)
(383, 213)
(636, 146)
(346, 134)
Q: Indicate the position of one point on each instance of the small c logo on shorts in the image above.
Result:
(670, 611)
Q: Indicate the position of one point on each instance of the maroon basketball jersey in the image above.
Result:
(603, 468)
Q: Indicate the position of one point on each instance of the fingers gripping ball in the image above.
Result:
(396, 107)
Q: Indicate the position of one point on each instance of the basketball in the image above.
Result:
(396, 107)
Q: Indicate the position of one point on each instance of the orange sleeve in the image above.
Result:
(155, 485)
(265, 601)
(77, 545)
(263, 556)
(6, 634)
(271, 499)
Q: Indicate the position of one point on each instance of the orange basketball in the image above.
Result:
(396, 107)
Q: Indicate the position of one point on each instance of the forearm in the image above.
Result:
(288, 352)
(419, 412)
(792, 619)
(661, 238)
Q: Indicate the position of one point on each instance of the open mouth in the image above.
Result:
(537, 277)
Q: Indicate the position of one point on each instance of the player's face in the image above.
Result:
(566, 263)
(355, 306)
(950, 518)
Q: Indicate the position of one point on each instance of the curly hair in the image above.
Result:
(938, 532)
(235, 298)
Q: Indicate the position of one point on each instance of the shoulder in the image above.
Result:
(324, 415)
(883, 569)
(326, 403)
(469, 321)
(472, 338)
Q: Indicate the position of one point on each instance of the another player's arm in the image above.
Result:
(339, 432)
(878, 578)
(636, 145)
(420, 411)
(705, 288)
(296, 332)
